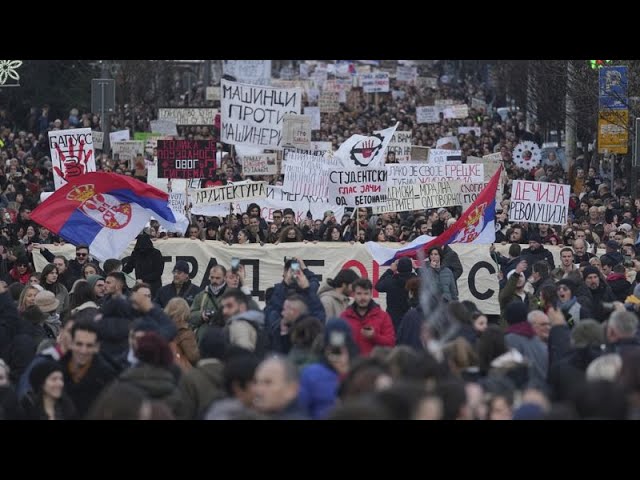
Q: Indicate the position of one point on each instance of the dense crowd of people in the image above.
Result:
(77, 343)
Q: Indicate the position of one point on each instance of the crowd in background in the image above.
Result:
(76, 342)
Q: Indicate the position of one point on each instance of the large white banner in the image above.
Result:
(263, 264)
(254, 115)
(72, 154)
(254, 72)
(539, 202)
(189, 116)
(419, 173)
(236, 192)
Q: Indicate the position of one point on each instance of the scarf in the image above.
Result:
(565, 306)
(216, 290)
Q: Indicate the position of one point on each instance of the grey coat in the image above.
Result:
(444, 281)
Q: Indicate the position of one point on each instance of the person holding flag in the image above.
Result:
(475, 225)
(105, 211)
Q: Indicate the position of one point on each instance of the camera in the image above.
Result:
(209, 314)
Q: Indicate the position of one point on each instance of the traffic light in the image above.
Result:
(596, 64)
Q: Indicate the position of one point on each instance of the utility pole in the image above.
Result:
(634, 164)
(105, 118)
(570, 127)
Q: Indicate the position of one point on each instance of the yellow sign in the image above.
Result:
(613, 132)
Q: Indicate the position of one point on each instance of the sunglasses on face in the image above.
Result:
(81, 254)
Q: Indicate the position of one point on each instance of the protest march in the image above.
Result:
(316, 240)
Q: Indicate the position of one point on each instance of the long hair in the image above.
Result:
(23, 297)
(54, 287)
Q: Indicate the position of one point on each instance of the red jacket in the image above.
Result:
(375, 317)
(23, 279)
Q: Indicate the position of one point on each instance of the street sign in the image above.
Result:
(613, 132)
(103, 95)
(613, 88)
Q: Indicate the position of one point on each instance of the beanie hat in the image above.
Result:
(516, 312)
(40, 372)
(589, 270)
(535, 237)
(570, 284)
(405, 265)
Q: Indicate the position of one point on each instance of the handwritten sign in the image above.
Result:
(264, 164)
(539, 202)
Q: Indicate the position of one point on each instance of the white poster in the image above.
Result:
(539, 202)
(189, 116)
(98, 139)
(213, 94)
(400, 144)
(72, 154)
(314, 113)
(164, 127)
(377, 82)
(419, 173)
(443, 155)
(358, 188)
(296, 131)
(263, 164)
(305, 174)
(253, 72)
(428, 115)
(254, 115)
(119, 136)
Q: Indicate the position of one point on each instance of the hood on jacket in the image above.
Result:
(327, 291)
(324, 287)
(143, 242)
(254, 317)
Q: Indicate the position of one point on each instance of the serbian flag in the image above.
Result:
(103, 210)
(475, 225)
